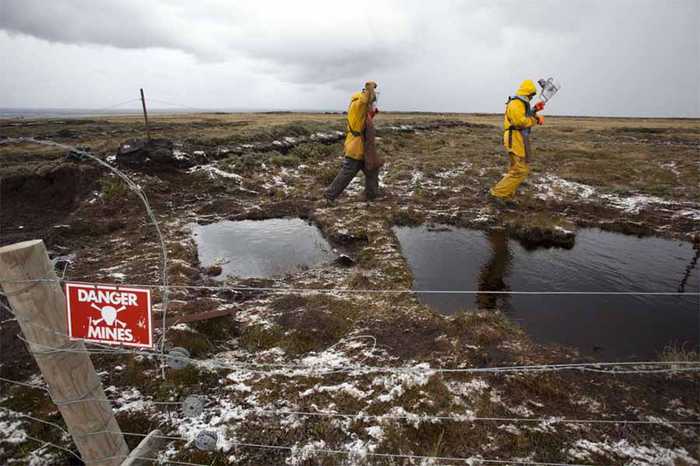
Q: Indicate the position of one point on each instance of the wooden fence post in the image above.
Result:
(145, 115)
(74, 385)
(146, 451)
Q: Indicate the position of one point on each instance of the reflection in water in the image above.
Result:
(494, 272)
(625, 327)
(260, 248)
(690, 268)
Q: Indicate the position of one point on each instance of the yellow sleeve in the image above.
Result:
(357, 113)
(517, 115)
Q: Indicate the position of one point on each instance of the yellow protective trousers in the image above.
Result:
(518, 171)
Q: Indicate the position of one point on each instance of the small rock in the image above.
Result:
(214, 270)
(159, 152)
(344, 260)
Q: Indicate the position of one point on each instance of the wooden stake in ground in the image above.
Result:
(67, 369)
(145, 115)
(144, 453)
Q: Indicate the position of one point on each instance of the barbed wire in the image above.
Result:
(390, 291)
(114, 106)
(174, 104)
(421, 417)
(151, 215)
(318, 369)
(675, 366)
(467, 417)
(291, 449)
(594, 367)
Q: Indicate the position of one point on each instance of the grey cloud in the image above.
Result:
(613, 57)
(123, 24)
(214, 35)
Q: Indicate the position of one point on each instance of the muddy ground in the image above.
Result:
(636, 176)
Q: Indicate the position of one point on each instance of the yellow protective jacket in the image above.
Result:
(516, 117)
(357, 118)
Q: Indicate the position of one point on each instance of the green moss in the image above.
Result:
(192, 376)
(113, 189)
(285, 160)
(196, 343)
(325, 175)
(313, 152)
(407, 217)
(217, 329)
(24, 399)
(244, 164)
(261, 337)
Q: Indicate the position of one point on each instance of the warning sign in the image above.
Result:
(109, 314)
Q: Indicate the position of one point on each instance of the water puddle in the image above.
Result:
(611, 327)
(261, 248)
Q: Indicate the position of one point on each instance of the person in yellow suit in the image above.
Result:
(361, 104)
(517, 121)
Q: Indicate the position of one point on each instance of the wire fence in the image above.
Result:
(300, 369)
(370, 291)
(313, 450)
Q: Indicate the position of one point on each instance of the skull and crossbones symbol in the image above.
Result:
(109, 315)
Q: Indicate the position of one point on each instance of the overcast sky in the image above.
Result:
(613, 57)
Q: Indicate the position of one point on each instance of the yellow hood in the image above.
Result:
(526, 88)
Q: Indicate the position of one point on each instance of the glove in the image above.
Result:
(540, 119)
(539, 106)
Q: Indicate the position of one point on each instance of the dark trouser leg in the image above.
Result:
(347, 172)
(371, 182)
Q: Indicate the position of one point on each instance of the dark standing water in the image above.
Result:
(612, 327)
(261, 248)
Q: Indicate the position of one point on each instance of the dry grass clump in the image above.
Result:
(679, 353)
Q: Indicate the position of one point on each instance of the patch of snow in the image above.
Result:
(592, 405)
(12, 432)
(397, 384)
(633, 204)
(510, 428)
(118, 276)
(345, 387)
(328, 359)
(376, 432)
(300, 454)
(358, 449)
(692, 214)
(521, 410)
(129, 400)
(183, 327)
(468, 389)
(483, 215)
(215, 172)
(553, 187)
(634, 454)
(180, 155)
(240, 387)
(671, 166)
(563, 230)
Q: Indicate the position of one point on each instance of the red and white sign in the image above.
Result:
(109, 314)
